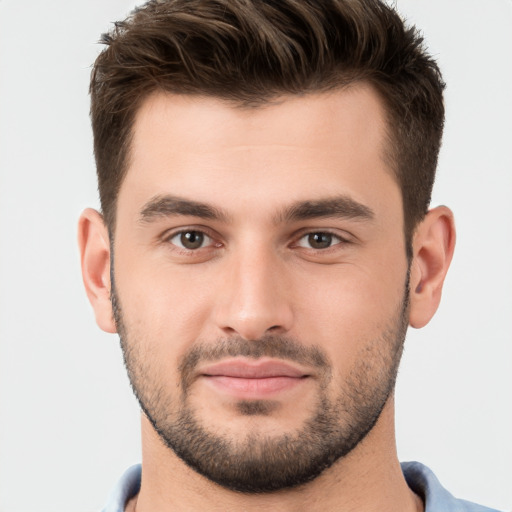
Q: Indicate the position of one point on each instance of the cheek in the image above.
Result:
(349, 307)
(167, 304)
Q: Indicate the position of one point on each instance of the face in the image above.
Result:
(259, 281)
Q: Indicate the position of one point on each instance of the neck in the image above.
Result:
(368, 479)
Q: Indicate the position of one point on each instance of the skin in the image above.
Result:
(257, 274)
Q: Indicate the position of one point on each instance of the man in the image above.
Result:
(265, 170)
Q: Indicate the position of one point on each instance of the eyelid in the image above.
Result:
(336, 240)
(207, 241)
(343, 237)
(168, 235)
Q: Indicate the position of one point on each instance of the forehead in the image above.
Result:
(345, 115)
(294, 147)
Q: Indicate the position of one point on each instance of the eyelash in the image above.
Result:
(334, 240)
(332, 237)
(169, 237)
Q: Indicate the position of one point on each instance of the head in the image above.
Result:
(265, 170)
(250, 53)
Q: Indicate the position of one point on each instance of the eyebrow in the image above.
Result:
(166, 206)
(331, 207)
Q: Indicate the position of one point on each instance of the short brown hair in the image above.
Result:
(251, 51)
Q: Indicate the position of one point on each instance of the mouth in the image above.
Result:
(247, 379)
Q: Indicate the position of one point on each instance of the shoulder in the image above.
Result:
(436, 498)
(127, 487)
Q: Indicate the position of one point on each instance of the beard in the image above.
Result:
(258, 462)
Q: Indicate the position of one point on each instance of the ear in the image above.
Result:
(433, 246)
(94, 244)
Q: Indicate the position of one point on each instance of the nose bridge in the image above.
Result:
(256, 300)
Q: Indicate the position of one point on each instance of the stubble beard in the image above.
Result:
(259, 463)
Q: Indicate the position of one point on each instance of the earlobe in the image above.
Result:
(433, 246)
(94, 244)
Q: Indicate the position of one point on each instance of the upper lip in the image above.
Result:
(252, 369)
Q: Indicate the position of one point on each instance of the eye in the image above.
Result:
(191, 240)
(319, 240)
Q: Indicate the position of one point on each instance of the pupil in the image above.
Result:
(320, 240)
(192, 239)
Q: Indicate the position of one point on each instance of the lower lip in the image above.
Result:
(253, 388)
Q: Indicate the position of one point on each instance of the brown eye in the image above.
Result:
(319, 240)
(190, 240)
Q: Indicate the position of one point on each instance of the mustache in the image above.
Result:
(274, 346)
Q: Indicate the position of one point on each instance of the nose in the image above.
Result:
(256, 297)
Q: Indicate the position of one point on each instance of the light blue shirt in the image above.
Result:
(419, 478)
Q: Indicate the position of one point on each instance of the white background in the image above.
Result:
(68, 423)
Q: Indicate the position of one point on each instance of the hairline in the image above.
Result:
(389, 157)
